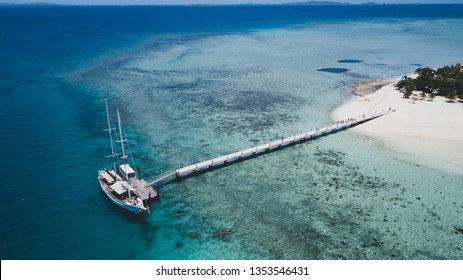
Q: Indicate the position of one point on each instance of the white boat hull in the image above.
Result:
(129, 207)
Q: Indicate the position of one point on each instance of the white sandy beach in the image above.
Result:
(429, 133)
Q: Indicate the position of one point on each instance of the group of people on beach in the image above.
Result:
(346, 121)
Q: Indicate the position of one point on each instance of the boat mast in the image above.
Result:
(124, 157)
(113, 153)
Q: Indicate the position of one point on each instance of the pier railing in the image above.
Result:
(225, 160)
(162, 177)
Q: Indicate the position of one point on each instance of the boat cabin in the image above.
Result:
(120, 189)
(106, 178)
(127, 171)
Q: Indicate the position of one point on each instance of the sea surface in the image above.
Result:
(197, 82)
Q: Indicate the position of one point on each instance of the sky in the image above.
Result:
(187, 2)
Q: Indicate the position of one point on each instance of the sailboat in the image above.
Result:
(120, 183)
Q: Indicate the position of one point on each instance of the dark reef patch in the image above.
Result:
(222, 234)
(333, 70)
(193, 235)
(350, 61)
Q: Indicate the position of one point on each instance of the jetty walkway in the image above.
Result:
(239, 156)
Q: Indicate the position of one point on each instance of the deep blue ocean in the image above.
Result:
(52, 143)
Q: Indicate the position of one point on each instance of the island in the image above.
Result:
(424, 132)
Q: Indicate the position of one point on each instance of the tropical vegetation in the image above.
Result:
(446, 81)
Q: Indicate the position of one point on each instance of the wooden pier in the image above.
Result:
(144, 190)
(211, 164)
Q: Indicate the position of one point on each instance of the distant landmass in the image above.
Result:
(29, 4)
(330, 3)
(318, 3)
(242, 4)
(314, 3)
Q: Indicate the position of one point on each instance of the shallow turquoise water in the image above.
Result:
(215, 94)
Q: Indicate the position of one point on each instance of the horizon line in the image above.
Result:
(308, 3)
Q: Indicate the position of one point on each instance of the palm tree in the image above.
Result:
(458, 75)
(425, 81)
(401, 84)
(451, 97)
(409, 85)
